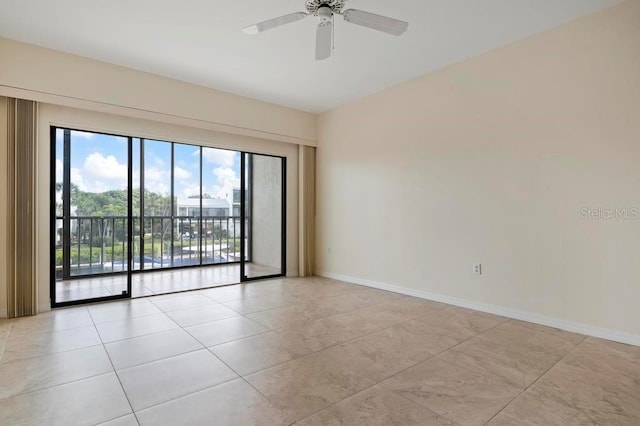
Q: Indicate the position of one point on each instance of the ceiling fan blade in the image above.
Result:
(275, 22)
(375, 22)
(323, 40)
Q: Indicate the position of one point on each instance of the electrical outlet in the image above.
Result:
(477, 269)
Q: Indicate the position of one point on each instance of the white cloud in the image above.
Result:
(224, 173)
(158, 187)
(158, 161)
(78, 180)
(191, 191)
(181, 174)
(219, 157)
(76, 176)
(98, 173)
(227, 180)
(59, 170)
(98, 166)
(153, 174)
(157, 180)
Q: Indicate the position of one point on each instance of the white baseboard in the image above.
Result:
(575, 327)
(3, 313)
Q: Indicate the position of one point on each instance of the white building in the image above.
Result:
(211, 207)
(215, 214)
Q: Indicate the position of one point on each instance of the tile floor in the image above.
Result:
(306, 351)
(158, 282)
(148, 283)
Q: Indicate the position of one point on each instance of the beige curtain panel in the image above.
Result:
(21, 142)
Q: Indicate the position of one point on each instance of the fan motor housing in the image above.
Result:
(334, 5)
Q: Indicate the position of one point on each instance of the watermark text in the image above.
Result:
(626, 213)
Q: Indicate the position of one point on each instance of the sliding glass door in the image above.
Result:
(263, 221)
(91, 199)
(127, 205)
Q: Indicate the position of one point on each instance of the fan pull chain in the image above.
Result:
(333, 33)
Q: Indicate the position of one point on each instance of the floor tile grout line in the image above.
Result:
(186, 395)
(189, 307)
(291, 360)
(434, 356)
(332, 315)
(104, 348)
(380, 382)
(127, 318)
(235, 315)
(204, 347)
(49, 332)
(327, 297)
(285, 305)
(265, 368)
(187, 290)
(333, 404)
(75, 380)
(280, 331)
(296, 302)
(243, 378)
(44, 388)
(182, 294)
(132, 337)
(118, 418)
(508, 320)
(199, 390)
(538, 379)
(6, 339)
(298, 358)
(447, 307)
(160, 359)
(50, 354)
(228, 366)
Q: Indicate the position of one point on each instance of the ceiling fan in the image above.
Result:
(325, 10)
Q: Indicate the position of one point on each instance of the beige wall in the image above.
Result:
(3, 202)
(491, 161)
(35, 73)
(89, 120)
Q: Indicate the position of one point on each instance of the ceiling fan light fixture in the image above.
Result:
(325, 10)
(325, 13)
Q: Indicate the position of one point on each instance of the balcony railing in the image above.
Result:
(98, 245)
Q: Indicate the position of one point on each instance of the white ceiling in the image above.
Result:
(200, 41)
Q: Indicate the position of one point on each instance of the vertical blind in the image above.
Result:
(307, 161)
(21, 140)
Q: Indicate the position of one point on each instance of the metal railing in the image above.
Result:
(98, 245)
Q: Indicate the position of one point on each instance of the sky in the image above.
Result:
(99, 163)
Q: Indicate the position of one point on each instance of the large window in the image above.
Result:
(126, 204)
(182, 204)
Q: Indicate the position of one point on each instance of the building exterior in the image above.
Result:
(215, 213)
